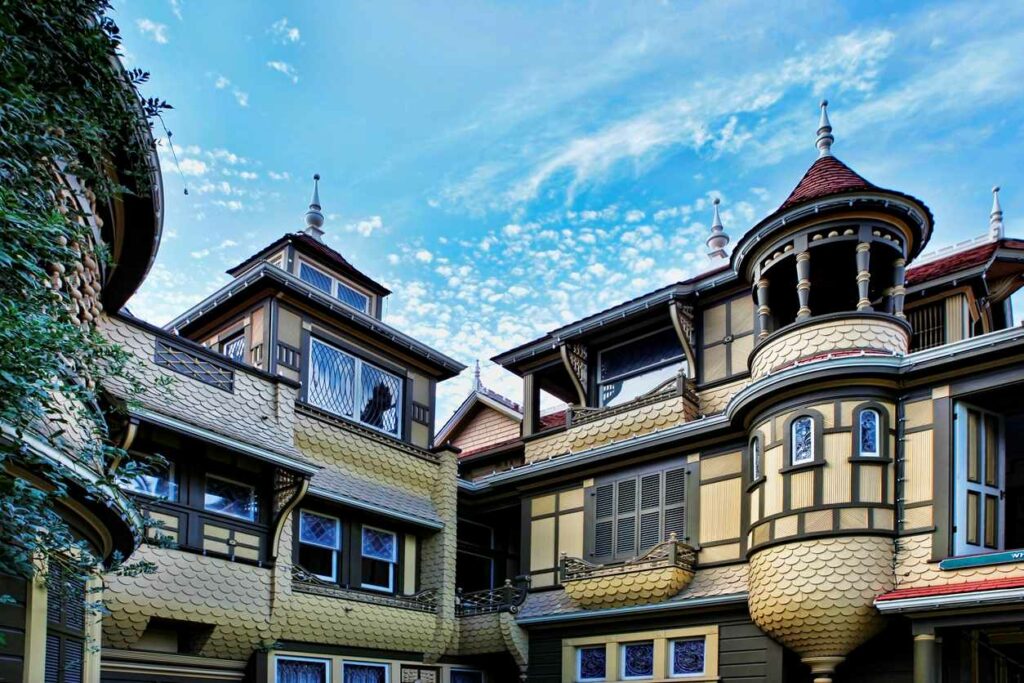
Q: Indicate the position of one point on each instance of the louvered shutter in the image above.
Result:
(675, 504)
(604, 520)
(650, 511)
(625, 519)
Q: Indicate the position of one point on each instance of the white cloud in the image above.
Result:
(221, 82)
(232, 205)
(241, 97)
(158, 32)
(273, 175)
(424, 256)
(248, 175)
(635, 216)
(200, 254)
(283, 33)
(193, 167)
(367, 227)
(176, 9)
(286, 69)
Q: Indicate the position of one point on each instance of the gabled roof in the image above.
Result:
(479, 396)
(826, 176)
(319, 251)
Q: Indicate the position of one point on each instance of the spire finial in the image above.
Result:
(476, 376)
(718, 240)
(825, 137)
(314, 217)
(995, 219)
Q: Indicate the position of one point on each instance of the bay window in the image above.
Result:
(347, 553)
(631, 369)
(345, 385)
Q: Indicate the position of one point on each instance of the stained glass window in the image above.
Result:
(294, 670)
(380, 553)
(590, 663)
(365, 673)
(688, 657)
(802, 441)
(755, 459)
(868, 433)
(315, 277)
(230, 498)
(353, 298)
(638, 660)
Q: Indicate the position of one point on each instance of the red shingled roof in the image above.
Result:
(826, 176)
(953, 589)
(953, 263)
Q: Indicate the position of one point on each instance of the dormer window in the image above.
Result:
(348, 386)
(345, 293)
(631, 369)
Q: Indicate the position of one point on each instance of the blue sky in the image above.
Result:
(507, 168)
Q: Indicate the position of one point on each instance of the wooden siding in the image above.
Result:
(486, 427)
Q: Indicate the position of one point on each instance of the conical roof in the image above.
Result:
(826, 176)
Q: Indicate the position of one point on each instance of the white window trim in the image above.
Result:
(379, 665)
(252, 491)
(878, 434)
(335, 549)
(579, 663)
(357, 389)
(672, 658)
(335, 281)
(483, 676)
(654, 366)
(325, 662)
(622, 661)
(792, 441)
(391, 564)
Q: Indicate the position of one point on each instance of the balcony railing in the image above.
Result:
(506, 598)
(673, 387)
(302, 580)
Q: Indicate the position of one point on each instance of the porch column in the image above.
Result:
(899, 290)
(803, 284)
(863, 275)
(763, 310)
(925, 669)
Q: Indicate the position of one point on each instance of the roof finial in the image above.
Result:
(995, 219)
(314, 217)
(476, 376)
(718, 239)
(825, 137)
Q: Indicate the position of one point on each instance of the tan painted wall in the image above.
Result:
(556, 526)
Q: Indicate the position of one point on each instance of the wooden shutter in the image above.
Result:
(675, 504)
(625, 519)
(650, 511)
(604, 520)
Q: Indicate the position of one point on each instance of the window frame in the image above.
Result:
(817, 450)
(755, 461)
(172, 483)
(357, 386)
(253, 495)
(337, 551)
(622, 660)
(661, 638)
(463, 669)
(328, 664)
(232, 339)
(883, 455)
(672, 657)
(336, 282)
(392, 564)
(600, 380)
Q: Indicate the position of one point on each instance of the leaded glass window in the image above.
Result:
(230, 498)
(380, 554)
(688, 657)
(364, 673)
(590, 663)
(802, 439)
(157, 483)
(352, 297)
(629, 370)
(315, 277)
(300, 670)
(347, 386)
(348, 295)
(638, 660)
(234, 348)
(319, 544)
(867, 434)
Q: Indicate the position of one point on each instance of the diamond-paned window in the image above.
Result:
(688, 657)
(315, 277)
(638, 660)
(378, 544)
(353, 298)
(591, 663)
(320, 545)
(345, 385)
(380, 554)
(319, 529)
(346, 294)
(802, 441)
(868, 434)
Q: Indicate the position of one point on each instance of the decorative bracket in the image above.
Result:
(682, 321)
(289, 488)
(574, 357)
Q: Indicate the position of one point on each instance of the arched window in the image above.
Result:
(755, 459)
(802, 440)
(868, 437)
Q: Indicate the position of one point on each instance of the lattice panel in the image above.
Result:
(191, 364)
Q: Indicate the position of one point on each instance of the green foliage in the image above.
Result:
(66, 109)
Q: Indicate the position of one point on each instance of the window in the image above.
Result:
(319, 544)
(352, 388)
(65, 625)
(230, 498)
(591, 663)
(687, 657)
(638, 660)
(466, 676)
(631, 369)
(302, 670)
(980, 481)
(234, 348)
(868, 437)
(802, 440)
(364, 672)
(348, 295)
(380, 554)
(755, 459)
(635, 512)
(929, 325)
(156, 483)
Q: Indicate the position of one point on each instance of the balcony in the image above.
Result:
(506, 598)
(659, 574)
(304, 582)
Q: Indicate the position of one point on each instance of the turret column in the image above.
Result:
(803, 285)
(863, 275)
(899, 290)
(763, 310)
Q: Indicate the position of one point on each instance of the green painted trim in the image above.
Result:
(985, 560)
